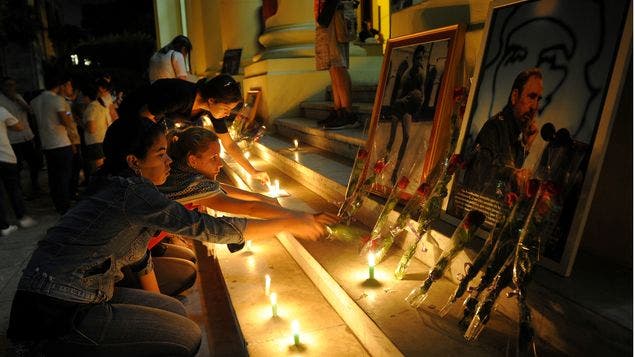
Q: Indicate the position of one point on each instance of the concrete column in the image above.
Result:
(240, 28)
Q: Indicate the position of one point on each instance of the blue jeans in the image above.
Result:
(133, 323)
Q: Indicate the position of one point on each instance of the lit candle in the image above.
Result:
(247, 154)
(248, 245)
(276, 185)
(295, 329)
(296, 143)
(267, 284)
(274, 304)
(178, 125)
(371, 266)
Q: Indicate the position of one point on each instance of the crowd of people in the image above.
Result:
(102, 280)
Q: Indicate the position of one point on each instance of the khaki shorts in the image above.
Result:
(328, 52)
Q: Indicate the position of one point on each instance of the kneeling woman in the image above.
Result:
(66, 303)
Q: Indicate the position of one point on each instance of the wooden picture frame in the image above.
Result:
(582, 49)
(252, 100)
(414, 106)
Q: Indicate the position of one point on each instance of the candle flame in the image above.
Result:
(371, 259)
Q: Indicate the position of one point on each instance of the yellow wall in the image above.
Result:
(167, 19)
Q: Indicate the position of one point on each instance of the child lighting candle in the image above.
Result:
(267, 284)
(295, 329)
(371, 266)
(296, 144)
(274, 304)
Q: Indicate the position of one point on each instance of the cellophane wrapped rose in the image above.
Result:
(354, 202)
(380, 224)
(460, 238)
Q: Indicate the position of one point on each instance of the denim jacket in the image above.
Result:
(81, 257)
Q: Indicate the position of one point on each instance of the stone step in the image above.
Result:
(320, 110)
(342, 142)
(359, 93)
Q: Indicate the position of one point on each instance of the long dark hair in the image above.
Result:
(177, 44)
(128, 136)
(222, 88)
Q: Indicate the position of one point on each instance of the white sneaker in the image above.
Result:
(27, 222)
(12, 228)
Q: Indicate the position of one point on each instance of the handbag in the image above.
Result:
(346, 22)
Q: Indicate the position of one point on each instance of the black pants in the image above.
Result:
(59, 163)
(27, 151)
(11, 182)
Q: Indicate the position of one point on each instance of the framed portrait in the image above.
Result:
(231, 61)
(542, 103)
(410, 121)
(252, 100)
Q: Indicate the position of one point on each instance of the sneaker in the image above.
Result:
(347, 121)
(333, 115)
(12, 228)
(27, 222)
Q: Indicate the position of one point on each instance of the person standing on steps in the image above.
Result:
(333, 55)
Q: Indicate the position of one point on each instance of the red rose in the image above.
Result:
(362, 154)
(458, 93)
(423, 189)
(403, 183)
(510, 199)
(532, 187)
(379, 166)
(455, 162)
(473, 219)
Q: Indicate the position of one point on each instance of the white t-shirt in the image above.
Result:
(16, 137)
(6, 152)
(166, 65)
(100, 115)
(52, 132)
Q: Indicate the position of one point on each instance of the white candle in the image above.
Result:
(274, 304)
(276, 184)
(296, 143)
(248, 245)
(371, 266)
(267, 284)
(295, 329)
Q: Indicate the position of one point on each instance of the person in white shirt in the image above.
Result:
(96, 120)
(10, 177)
(169, 61)
(53, 118)
(22, 141)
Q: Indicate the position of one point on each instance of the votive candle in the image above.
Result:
(274, 304)
(295, 329)
(371, 266)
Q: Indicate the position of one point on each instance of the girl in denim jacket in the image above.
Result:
(66, 303)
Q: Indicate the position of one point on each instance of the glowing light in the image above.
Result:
(75, 59)
(274, 304)
(178, 125)
(296, 144)
(295, 330)
(247, 154)
(87, 62)
(248, 245)
(206, 121)
(267, 284)
(371, 266)
(251, 263)
(274, 190)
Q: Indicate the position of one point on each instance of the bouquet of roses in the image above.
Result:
(380, 224)
(354, 202)
(538, 198)
(461, 236)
